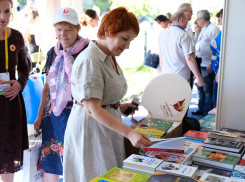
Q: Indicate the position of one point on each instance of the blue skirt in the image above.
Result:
(53, 131)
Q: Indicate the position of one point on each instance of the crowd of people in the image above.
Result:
(192, 55)
(80, 110)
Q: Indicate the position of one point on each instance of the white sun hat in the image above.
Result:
(66, 15)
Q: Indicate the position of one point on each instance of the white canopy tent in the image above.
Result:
(46, 9)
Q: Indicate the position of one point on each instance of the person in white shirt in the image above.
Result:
(161, 23)
(89, 23)
(175, 50)
(187, 9)
(208, 34)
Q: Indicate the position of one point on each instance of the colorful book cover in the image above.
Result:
(98, 179)
(208, 169)
(189, 144)
(158, 128)
(223, 143)
(174, 125)
(196, 134)
(216, 178)
(174, 158)
(242, 163)
(194, 140)
(171, 157)
(177, 169)
(208, 122)
(239, 132)
(162, 177)
(213, 111)
(143, 161)
(238, 172)
(216, 156)
(123, 175)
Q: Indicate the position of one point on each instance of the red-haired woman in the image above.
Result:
(94, 133)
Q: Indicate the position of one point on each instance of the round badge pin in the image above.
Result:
(12, 47)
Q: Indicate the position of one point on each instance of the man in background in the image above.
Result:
(176, 52)
(208, 34)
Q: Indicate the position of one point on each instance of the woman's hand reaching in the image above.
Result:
(138, 139)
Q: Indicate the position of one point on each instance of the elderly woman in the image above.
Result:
(13, 123)
(94, 133)
(56, 101)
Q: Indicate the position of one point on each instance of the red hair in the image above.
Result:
(118, 20)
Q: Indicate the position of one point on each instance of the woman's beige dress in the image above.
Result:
(91, 149)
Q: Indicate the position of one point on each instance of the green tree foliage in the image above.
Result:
(22, 2)
(104, 5)
(141, 8)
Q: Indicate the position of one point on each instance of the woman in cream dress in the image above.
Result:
(94, 133)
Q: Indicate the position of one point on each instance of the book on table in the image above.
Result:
(213, 111)
(208, 122)
(156, 130)
(222, 144)
(239, 132)
(141, 163)
(177, 169)
(225, 135)
(238, 172)
(242, 162)
(194, 140)
(209, 165)
(216, 159)
(173, 157)
(99, 179)
(162, 177)
(174, 125)
(216, 178)
(175, 145)
(189, 144)
(208, 169)
(196, 134)
(227, 152)
(121, 175)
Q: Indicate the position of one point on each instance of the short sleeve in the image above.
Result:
(186, 44)
(215, 33)
(87, 79)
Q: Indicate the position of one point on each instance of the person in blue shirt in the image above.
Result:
(215, 47)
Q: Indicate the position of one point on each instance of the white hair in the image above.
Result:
(204, 14)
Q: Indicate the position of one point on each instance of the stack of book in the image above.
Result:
(226, 146)
(225, 135)
(154, 128)
(195, 136)
(177, 170)
(141, 164)
(239, 132)
(216, 159)
(178, 158)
